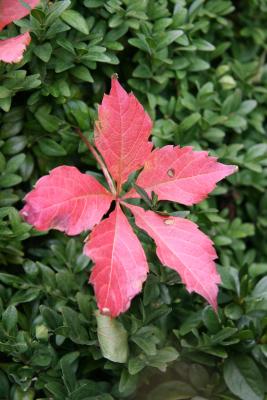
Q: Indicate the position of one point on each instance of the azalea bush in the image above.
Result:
(197, 71)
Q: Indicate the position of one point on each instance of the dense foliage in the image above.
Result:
(199, 68)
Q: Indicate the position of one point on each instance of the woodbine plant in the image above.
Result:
(176, 308)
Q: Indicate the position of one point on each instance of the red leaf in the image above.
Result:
(184, 248)
(120, 263)
(73, 202)
(66, 200)
(122, 133)
(181, 174)
(12, 10)
(12, 49)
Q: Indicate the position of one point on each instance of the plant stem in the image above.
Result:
(100, 162)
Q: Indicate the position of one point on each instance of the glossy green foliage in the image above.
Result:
(199, 68)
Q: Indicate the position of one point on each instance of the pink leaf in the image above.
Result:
(70, 201)
(120, 263)
(122, 133)
(12, 10)
(12, 49)
(181, 174)
(66, 200)
(184, 248)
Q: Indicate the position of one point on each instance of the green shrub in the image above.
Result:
(199, 68)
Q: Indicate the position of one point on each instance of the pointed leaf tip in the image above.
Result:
(115, 77)
(122, 132)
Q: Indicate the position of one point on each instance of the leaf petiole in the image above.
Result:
(99, 160)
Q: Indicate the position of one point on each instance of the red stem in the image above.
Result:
(100, 162)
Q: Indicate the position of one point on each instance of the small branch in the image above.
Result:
(99, 160)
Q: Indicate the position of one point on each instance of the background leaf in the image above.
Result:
(112, 338)
(244, 378)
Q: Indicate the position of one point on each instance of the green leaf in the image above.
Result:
(140, 43)
(20, 394)
(66, 282)
(142, 71)
(197, 64)
(7, 198)
(247, 107)
(82, 73)
(52, 319)
(257, 269)
(168, 37)
(260, 290)
(42, 356)
(112, 338)
(57, 389)
(89, 391)
(4, 92)
(214, 135)
(199, 376)
(56, 10)
(223, 334)
(210, 320)
(230, 278)
(94, 3)
(5, 103)
(12, 280)
(163, 357)
(77, 332)
(9, 180)
(232, 103)
(233, 311)
(14, 163)
(136, 365)
(76, 20)
(128, 383)
(80, 111)
(93, 55)
(49, 122)
(244, 378)
(25, 296)
(2, 162)
(50, 147)
(4, 386)
(172, 390)
(43, 51)
(192, 321)
(189, 122)
(41, 333)
(68, 372)
(10, 318)
(14, 145)
(256, 152)
(146, 344)
(56, 28)
(203, 45)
